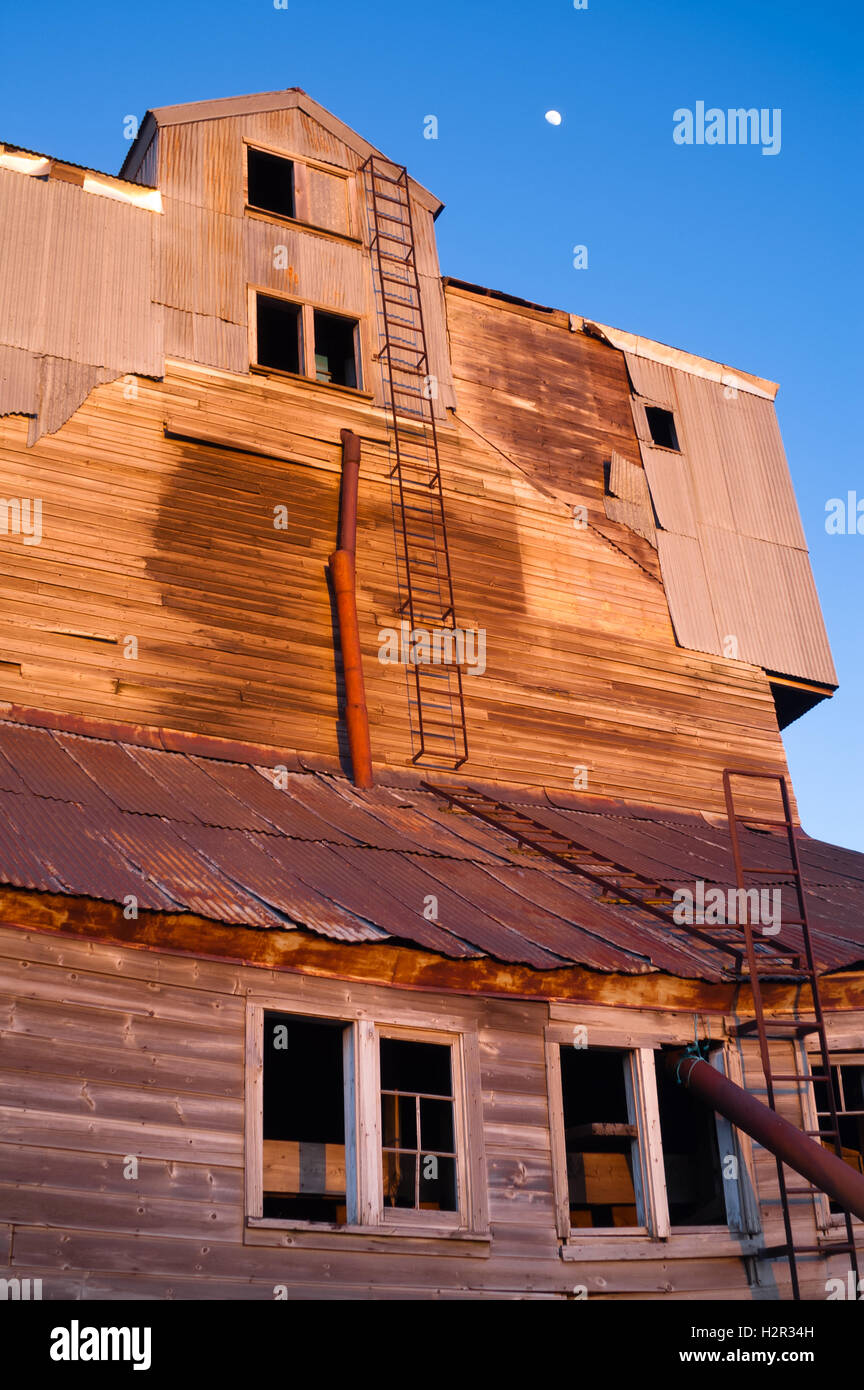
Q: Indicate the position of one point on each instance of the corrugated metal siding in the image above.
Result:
(90, 281)
(18, 381)
(687, 591)
(319, 269)
(76, 280)
(732, 551)
(75, 297)
(630, 500)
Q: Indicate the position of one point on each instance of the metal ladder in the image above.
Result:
(436, 699)
(791, 1031)
(751, 959)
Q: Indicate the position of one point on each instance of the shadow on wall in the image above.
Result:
(239, 554)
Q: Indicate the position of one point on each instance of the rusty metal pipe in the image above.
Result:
(348, 498)
(342, 573)
(818, 1165)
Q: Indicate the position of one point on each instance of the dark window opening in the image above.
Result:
(279, 334)
(848, 1083)
(691, 1155)
(418, 1135)
(600, 1138)
(335, 349)
(271, 183)
(661, 423)
(304, 1119)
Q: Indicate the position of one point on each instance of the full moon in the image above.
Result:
(553, 117)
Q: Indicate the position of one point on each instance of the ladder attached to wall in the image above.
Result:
(749, 876)
(751, 958)
(436, 698)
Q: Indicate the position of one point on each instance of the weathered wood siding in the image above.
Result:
(174, 543)
(107, 1052)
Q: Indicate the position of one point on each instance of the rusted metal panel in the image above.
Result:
(162, 854)
(448, 891)
(245, 860)
(335, 876)
(99, 818)
(78, 856)
(281, 812)
(47, 769)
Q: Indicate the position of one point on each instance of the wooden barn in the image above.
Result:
(403, 894)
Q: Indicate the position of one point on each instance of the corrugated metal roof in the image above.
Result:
(182, 832)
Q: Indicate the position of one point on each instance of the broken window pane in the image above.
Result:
(417, 1126)
(279, 334)
(661, 423)
(271, 183)
(304, 1119)
(335, 351)
(691, 1156)
(600, 1138)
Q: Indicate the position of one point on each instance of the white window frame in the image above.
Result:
(847, 1051)
(363, 1156)
(743, 1219)
(648, 1183)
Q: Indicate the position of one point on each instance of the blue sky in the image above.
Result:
(747, 258)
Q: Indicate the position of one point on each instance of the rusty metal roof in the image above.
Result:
(231, 841)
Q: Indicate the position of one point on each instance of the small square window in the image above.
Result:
(279, 334)
(271, 183)
(661, 423)
(418, 1136)
(304, 1169)
(336, 349)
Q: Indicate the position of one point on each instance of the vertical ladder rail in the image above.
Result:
(437, 704)
(799, 1031)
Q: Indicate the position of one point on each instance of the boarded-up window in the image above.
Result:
(271, 182)
(304, 1119)
(326, 200)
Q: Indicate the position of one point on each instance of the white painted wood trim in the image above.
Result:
(555, 1095)
(254, 1098)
